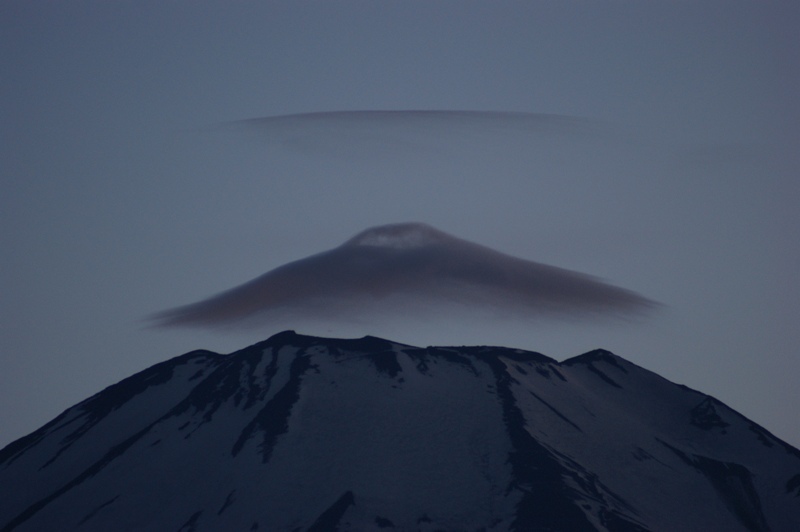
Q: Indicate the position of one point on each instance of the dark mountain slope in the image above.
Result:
(304, 433)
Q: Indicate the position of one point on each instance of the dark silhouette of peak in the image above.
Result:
(595, 355)
(305, 433)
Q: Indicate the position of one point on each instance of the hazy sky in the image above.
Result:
(668, 167)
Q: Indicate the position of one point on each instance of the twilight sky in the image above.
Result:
(155, 154)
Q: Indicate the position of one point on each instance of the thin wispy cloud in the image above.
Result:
(365, 132)
(408, 267)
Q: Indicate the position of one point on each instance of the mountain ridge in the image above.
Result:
(300, 432)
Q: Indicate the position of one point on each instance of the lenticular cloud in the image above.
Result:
(405, 268)
(391, 132)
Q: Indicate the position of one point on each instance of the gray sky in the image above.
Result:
(670, 170)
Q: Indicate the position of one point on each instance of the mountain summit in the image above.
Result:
(305, 433)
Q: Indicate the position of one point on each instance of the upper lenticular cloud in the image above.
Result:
(407, 267)
(357, 122)
(386, 132)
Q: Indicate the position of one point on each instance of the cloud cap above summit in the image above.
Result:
(408, 267)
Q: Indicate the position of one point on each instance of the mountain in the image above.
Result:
(305, 433)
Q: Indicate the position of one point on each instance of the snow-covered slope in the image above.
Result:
(304, 433)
